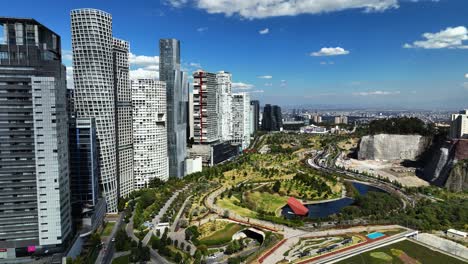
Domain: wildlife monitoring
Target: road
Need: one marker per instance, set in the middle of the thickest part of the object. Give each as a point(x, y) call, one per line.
point(108, 247)
point(317, 162)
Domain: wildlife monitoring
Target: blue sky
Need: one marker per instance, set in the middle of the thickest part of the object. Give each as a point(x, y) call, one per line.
point(349, 53)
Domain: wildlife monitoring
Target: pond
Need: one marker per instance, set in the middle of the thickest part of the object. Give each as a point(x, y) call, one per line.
point(325, 209)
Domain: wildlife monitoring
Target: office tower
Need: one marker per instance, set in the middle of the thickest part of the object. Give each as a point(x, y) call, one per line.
point(34, 181)
point(277, 123)
point(224, 98)
point(124, 128)
point(256, 114)
point(272, 119)
point(190, 116)
point(252, 119)
point(88, 208)
point(205, 107)
point(102, 92)
point(459, 125)
point(241, 119)
point(149, 131)
point(177, 97)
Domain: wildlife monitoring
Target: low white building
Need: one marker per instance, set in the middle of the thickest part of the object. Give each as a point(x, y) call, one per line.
point(194, 165)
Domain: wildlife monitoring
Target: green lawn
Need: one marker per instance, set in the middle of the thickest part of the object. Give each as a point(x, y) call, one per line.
point(108, 229)
point(267, 201)
point(122, 260)
point(393, 252)
point(222, 236)
point(228, 204)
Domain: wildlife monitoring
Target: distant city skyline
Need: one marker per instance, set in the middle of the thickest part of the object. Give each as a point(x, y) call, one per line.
point(369, 53)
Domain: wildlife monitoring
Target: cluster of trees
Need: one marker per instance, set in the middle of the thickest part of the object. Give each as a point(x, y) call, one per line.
point(138, 253)
point(379, 205)
point(313, 182)
point(163, 243)
point(403, 125)
point(234, 246)
point(442, 215)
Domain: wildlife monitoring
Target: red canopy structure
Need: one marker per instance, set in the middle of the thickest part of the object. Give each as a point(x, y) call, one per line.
point(297, 207)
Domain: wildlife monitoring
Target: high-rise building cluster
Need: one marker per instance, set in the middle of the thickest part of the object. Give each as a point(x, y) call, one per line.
point(68, 155)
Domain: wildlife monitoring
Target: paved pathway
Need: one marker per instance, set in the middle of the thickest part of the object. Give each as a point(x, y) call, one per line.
point(161, 213)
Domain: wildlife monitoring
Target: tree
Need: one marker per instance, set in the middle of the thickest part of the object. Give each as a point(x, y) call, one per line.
point(277, 186)
point(121, 240)
point(178, 257)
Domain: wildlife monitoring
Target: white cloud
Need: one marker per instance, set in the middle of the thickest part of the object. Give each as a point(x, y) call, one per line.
point(377, 93)
point(466, 75)
point(67, 55)
point(330, 52)
point(264, 31)
point(242, 86)
point(268, 84)
point(327, 63)
point(177, 3)
point(451, 37)
point(465, 85)
point(144, 67)
point(143, 60)
point(265, 76)
point(283, 83)
point(70, 83)
point(257, 91)
point(142, 73)
point(202, 29)
point(253, 9)
point(195, 65)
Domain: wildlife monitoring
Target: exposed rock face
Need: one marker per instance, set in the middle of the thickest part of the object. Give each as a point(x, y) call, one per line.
point(392, 147)
point(448, 166)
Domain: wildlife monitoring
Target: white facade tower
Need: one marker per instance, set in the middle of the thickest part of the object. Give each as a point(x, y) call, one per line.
point(241, 119)
point(123, 105)
point(149, 131)
point(99, 74)
point(224, 104)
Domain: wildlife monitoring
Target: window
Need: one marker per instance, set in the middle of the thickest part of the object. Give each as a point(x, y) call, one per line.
point(2, 36)
point(3, 54)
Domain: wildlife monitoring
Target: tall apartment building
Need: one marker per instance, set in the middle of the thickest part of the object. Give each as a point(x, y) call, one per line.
point(190, 116)
point(205, 107)
point(272, 119)
point(241, 119)
point(256, 115)
point(34, 174)
point(459, 125)
point(224, 103)
point(102, 92)
point(176, 99)
point(149, 131)
point(124, 121)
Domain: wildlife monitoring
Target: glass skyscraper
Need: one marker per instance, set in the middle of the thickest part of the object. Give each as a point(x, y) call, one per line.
point(177, 101)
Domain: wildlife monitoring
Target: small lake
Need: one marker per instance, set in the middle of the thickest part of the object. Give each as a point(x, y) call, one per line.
point(323, 210)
